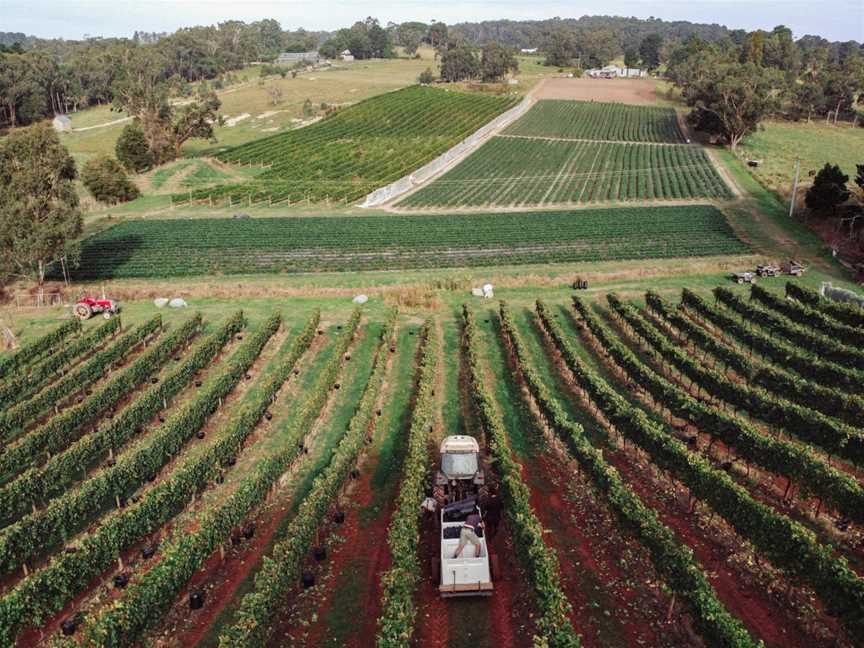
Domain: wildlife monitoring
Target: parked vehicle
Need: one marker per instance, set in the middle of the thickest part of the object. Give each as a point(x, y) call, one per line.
point(87, 307)
point(744, 277)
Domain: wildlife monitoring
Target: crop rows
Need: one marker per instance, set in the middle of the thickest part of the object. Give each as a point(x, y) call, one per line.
point(538, 559)
point(848, 314)
point(674, 562)
point(357, 149)
point(399, 583)
point(38, 349)
point(509, 171)
point(14, 420)
point(787, 544)
point(47, 590)
point(25, 383)
point(598, 121)
point(153, 248)
point(824, 398)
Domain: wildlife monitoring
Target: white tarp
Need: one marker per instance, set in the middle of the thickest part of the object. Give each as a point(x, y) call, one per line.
point(407, 183)
point(160, 302)
point(178, 302)
point(840, 294)
point(360, 299)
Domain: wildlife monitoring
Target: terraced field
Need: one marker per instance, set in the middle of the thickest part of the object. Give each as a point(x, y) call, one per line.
point(154, 248)
point(672, 474)
point(354, 151)
point(567, 152)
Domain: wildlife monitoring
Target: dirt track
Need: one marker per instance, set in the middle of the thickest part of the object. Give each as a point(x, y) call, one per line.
point(640, 92)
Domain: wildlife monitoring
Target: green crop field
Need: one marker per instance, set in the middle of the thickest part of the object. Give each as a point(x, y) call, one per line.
point(599, 121)
point(160, 248)
point(356, 150)
point(509, 171)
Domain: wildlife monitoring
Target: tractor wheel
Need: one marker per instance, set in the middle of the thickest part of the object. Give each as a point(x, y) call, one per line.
point(740, 280)
point(82, 311)
point(494, 567)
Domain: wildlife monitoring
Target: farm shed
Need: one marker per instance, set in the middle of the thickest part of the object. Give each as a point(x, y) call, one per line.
point(298, 57)
point(62, 124)
point(346, 55)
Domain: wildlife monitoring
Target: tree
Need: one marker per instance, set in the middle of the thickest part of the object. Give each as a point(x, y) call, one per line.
point(598, 46)
point(426, 76)
point(438, 36)
point(39, 215)
point(828, 189)
point(409, 36)
point(631, 58)
point(194, 120)
point(497, 61)
point(735, 96)
point(275, 94)
point(107, 182)
point(808, 98)
point(459, 63)
point(561, 48)
point(859, 178)
point(649, 50)
point(132, 150)
point(756, 48)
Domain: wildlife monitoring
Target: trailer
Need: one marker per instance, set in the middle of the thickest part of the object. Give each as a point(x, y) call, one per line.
point(469, 574)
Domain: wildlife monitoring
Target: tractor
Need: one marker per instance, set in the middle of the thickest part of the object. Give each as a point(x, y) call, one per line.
point(87, 307)
point(460, 475)
point(744, 277)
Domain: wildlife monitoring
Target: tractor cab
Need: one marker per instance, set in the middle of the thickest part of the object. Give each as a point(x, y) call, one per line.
point(460, 475)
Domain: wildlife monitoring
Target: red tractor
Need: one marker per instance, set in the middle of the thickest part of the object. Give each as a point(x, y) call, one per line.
point(87, 307)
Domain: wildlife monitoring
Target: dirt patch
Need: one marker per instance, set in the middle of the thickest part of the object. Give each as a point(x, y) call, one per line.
point(639, 92)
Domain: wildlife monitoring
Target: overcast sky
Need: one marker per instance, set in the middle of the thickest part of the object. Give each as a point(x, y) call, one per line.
point(834, 19)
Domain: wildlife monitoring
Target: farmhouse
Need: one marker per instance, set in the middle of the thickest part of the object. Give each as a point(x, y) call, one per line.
point(298, 57)
point(62, 124)
point(614, 71)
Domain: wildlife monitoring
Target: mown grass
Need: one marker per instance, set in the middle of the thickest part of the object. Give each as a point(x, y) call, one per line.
point(778, 143)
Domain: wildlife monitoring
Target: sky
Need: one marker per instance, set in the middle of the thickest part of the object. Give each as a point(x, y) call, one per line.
point(839, 20)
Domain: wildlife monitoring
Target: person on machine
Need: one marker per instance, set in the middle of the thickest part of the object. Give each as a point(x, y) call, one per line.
point(469, 533)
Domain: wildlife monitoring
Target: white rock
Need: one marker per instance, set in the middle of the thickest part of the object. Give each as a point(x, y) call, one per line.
point(361, 299)
point(178, 302)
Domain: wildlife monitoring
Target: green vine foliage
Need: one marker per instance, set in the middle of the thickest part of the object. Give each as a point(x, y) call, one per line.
point(38, 349)
point(812, 318)
point(673, 561)
point(399, 582)
point(27, 382)
point(47, 590)
point(121, 623)
point(12, 421)
point(801, 422)
point(848, 314)
point(793, 461)
point(60, 431)
point(280, 572)
point(805, 364)
point(539, 561)
point(43, 483)
point(801, 336)
point(828, 400)
point(786, 544)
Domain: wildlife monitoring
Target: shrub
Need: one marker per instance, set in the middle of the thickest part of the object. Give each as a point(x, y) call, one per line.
point(132, 150)
point(426, 76)
point(105, 178)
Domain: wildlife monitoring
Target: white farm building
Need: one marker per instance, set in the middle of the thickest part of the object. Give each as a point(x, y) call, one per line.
point(62, 124)
point(614, 72)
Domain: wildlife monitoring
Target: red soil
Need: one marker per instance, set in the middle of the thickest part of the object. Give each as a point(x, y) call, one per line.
point(764, 609)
